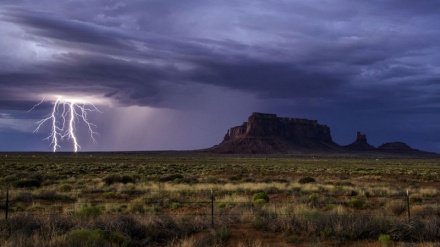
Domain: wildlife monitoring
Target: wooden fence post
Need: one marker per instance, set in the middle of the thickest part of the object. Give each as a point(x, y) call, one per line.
point(7, 204)
point(408, 206)
point(212, 208)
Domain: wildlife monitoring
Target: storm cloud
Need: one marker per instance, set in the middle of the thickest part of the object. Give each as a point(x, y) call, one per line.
point(197, 67)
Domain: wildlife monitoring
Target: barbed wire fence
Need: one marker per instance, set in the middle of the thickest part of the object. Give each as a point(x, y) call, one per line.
point(203, 203)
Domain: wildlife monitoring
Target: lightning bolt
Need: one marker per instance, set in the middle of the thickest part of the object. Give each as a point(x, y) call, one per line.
point(63, 118)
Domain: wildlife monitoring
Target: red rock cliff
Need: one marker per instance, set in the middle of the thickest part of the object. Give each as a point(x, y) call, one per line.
point(267, 133)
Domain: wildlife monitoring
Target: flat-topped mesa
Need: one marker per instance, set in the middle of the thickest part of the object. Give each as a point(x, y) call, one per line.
point(399, 146)
point(269, 134)
point(269, 125)
point(264, 133)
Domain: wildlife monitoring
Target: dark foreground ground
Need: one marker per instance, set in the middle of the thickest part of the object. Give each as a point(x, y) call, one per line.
point(200, 199)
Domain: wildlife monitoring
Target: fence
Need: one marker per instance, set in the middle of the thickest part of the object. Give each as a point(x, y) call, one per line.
point(205, 202)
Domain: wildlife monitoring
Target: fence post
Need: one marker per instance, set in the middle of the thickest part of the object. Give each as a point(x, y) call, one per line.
point(212, 208)
point(7, 204)
point(407, 203)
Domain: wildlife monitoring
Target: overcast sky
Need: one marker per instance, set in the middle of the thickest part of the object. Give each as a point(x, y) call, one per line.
point(177, 74)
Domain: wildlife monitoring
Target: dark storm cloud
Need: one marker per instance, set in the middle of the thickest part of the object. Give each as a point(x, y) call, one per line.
point(279, 79)
point(270, 80)
point(327, 67)
point(346, 57)
point(43, 24)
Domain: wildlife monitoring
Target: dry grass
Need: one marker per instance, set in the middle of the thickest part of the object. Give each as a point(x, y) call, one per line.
point(165, 200)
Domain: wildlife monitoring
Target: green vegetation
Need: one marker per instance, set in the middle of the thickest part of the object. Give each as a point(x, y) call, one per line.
point(89, 211)
point(164, 199)
point(97, 237)
point(385, 240)
point(261, 196)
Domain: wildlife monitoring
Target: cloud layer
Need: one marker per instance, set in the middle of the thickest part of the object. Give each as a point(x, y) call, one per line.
point(371, 66)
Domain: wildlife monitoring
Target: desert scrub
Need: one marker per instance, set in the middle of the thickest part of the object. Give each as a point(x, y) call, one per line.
point(429, 192)
point(9, 179)
point(89, 211)
point(423, 211)
point(385, 240)
point(175, 205)
point(265, 219)
point(259, 202)
point(306, 180)
point(52, 195)
point(28, 183)
point(65, 187)
point(343, 228)
point(313, 199)
point(98, 238)
point(260, 199)
point(137, 206)
point(356, 203)
point(415, 198)
point(222, 234)
point(116, 178)
point(396, 207)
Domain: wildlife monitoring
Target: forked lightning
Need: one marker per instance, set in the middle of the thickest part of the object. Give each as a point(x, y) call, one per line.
point(63, 118)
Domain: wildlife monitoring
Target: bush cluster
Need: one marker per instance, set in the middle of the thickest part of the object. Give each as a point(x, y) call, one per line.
point(28, 183)
point(260, 198)
point(116, 178)
point(306, 180)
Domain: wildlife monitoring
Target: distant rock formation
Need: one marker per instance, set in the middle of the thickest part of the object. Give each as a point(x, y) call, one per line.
point(267, 133)
point(396, 147)
point(360, 144)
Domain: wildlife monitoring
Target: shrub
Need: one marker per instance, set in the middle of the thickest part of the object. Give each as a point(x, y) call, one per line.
point(345, 183)
point(111, 179)
point(416, 230)
point(329, 207)
point(127, 179)
point(90, 211)
point(222, 234)
point(83, 237)
point(355, 203)
point(51, 195)
point(313, 198)
point(116, 178)
point(396, 208)
point(260, 198)
point(24, 197)
point(237, 177)
point(24, 224)
point(154, 209)
point(423, 210)
point(260, 195)
point(415, 198)
point(272, 190)
point(137, 206)
point(259, 202)
point(132, 226)
point(10, 179)
point(28, 183)
point(175, 205)
point(98, 237)
point(306, 180)
point(170, 178)
point(385, 240)
point(65, 188)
